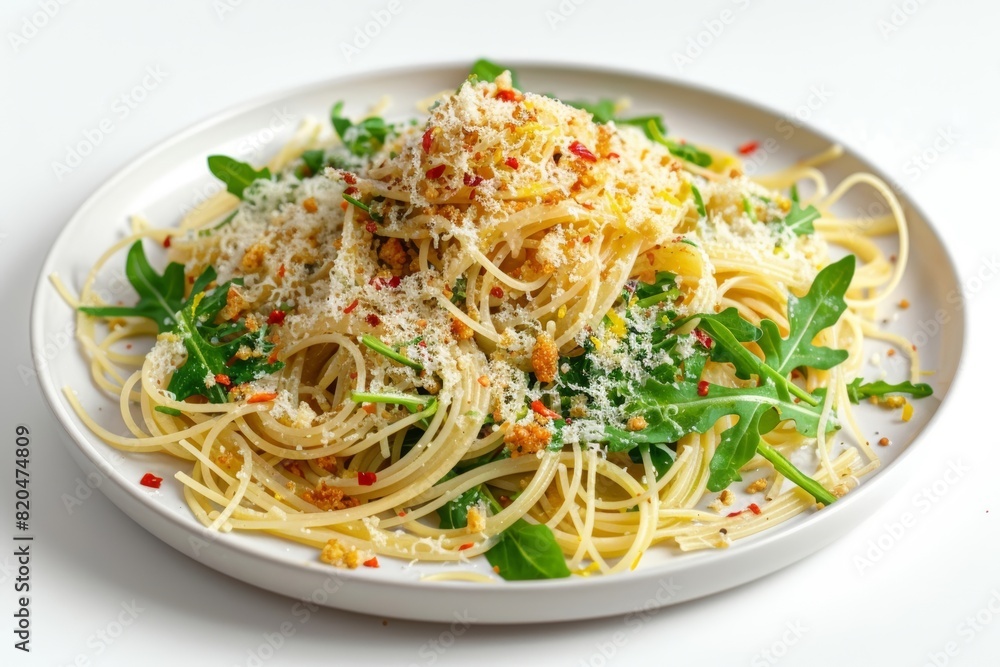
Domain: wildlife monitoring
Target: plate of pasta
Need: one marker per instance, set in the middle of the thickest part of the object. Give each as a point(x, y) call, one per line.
point(533, 343)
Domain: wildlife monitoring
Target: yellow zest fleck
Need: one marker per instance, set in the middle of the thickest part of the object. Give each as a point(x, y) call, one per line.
point(617, 324)
point(667, 196)
point(907, 411)
point(533, 190)
point(197, 300)
point(615, 208)
point(597, 344)
point(561, 313)
point(497, 156)
point(589, 570)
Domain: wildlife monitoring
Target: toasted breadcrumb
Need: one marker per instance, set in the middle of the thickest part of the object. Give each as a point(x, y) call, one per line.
point(476, 523)
point(545, 358)
point(527, 439)
point(757, 485)
point(461, 330)
point(336, 554)
point(329, 498)
point(727, 497)
point(637, 423)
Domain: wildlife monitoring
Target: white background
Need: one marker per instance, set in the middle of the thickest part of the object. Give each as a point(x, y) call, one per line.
point(902, 79)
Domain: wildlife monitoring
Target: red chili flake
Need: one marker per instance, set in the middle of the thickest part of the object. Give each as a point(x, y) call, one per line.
point(353, 375)
point(614, 156)
point(351, 191)
point(755, 508)
point(422, 343)
point(128, 346)
point(467, 545)
point(748, 147)
point(426, 141)
point(352, 306)
point(401, 513)
point(273, 358)
point(372, 319)
point(276, 317)
point(349, 178)
point(506, 95)
point(151, 480)
point(471, 181)
point(504, 501)
point(281, 269)
point(371, 562)
point(367, 478)
point(703, 338)
point(262, 397)
point(223, 379)
point(511, 162)
point(586, 239)
point(371, 227)
point(166, 241)
point(581, 151)
point(436, 172)
point(496, 292)
point(703, 388)
point(378, 282)
point(544, 411)
point(732, 514)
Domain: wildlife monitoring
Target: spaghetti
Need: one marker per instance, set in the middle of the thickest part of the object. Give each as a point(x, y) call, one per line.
point(431, 341)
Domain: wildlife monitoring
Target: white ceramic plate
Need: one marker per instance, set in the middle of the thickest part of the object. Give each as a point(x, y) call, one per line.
point(173, 177)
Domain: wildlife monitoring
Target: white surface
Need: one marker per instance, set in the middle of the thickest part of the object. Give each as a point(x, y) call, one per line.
point(891, 95)
point(162, 181)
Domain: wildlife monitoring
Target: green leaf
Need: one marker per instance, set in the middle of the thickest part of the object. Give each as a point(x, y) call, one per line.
point(485, 70)
point(688, 152)
point(363, 206)
point(235, 174)
point(856, 391)
point(211, 346)
point(315, 160)
point(455, 513)
point(800, 220)
point(819, 309)
point(699, 203)
point(375, 344)
point(458, 291)
point(661, 455)
point(160, 296)
point(363, 139)
point(168, 410)
point(663, 288)
point(528, 551)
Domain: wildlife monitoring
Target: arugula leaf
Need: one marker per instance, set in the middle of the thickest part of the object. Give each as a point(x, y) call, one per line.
point(315, 160)
point(819, 309)
point(160, 296)
point(363, 139)
point(235, 174)
point(211, 347)
point(688, 152)
point(661, 454)
point(485, 70)
point(528, 551)
point(699, 203)
point(663, 288)
point(800, 220)
point(856, 391)
point(377, 345)
point(458, 291)
point(455, 513)
point(603, 111)
point(207, 358)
